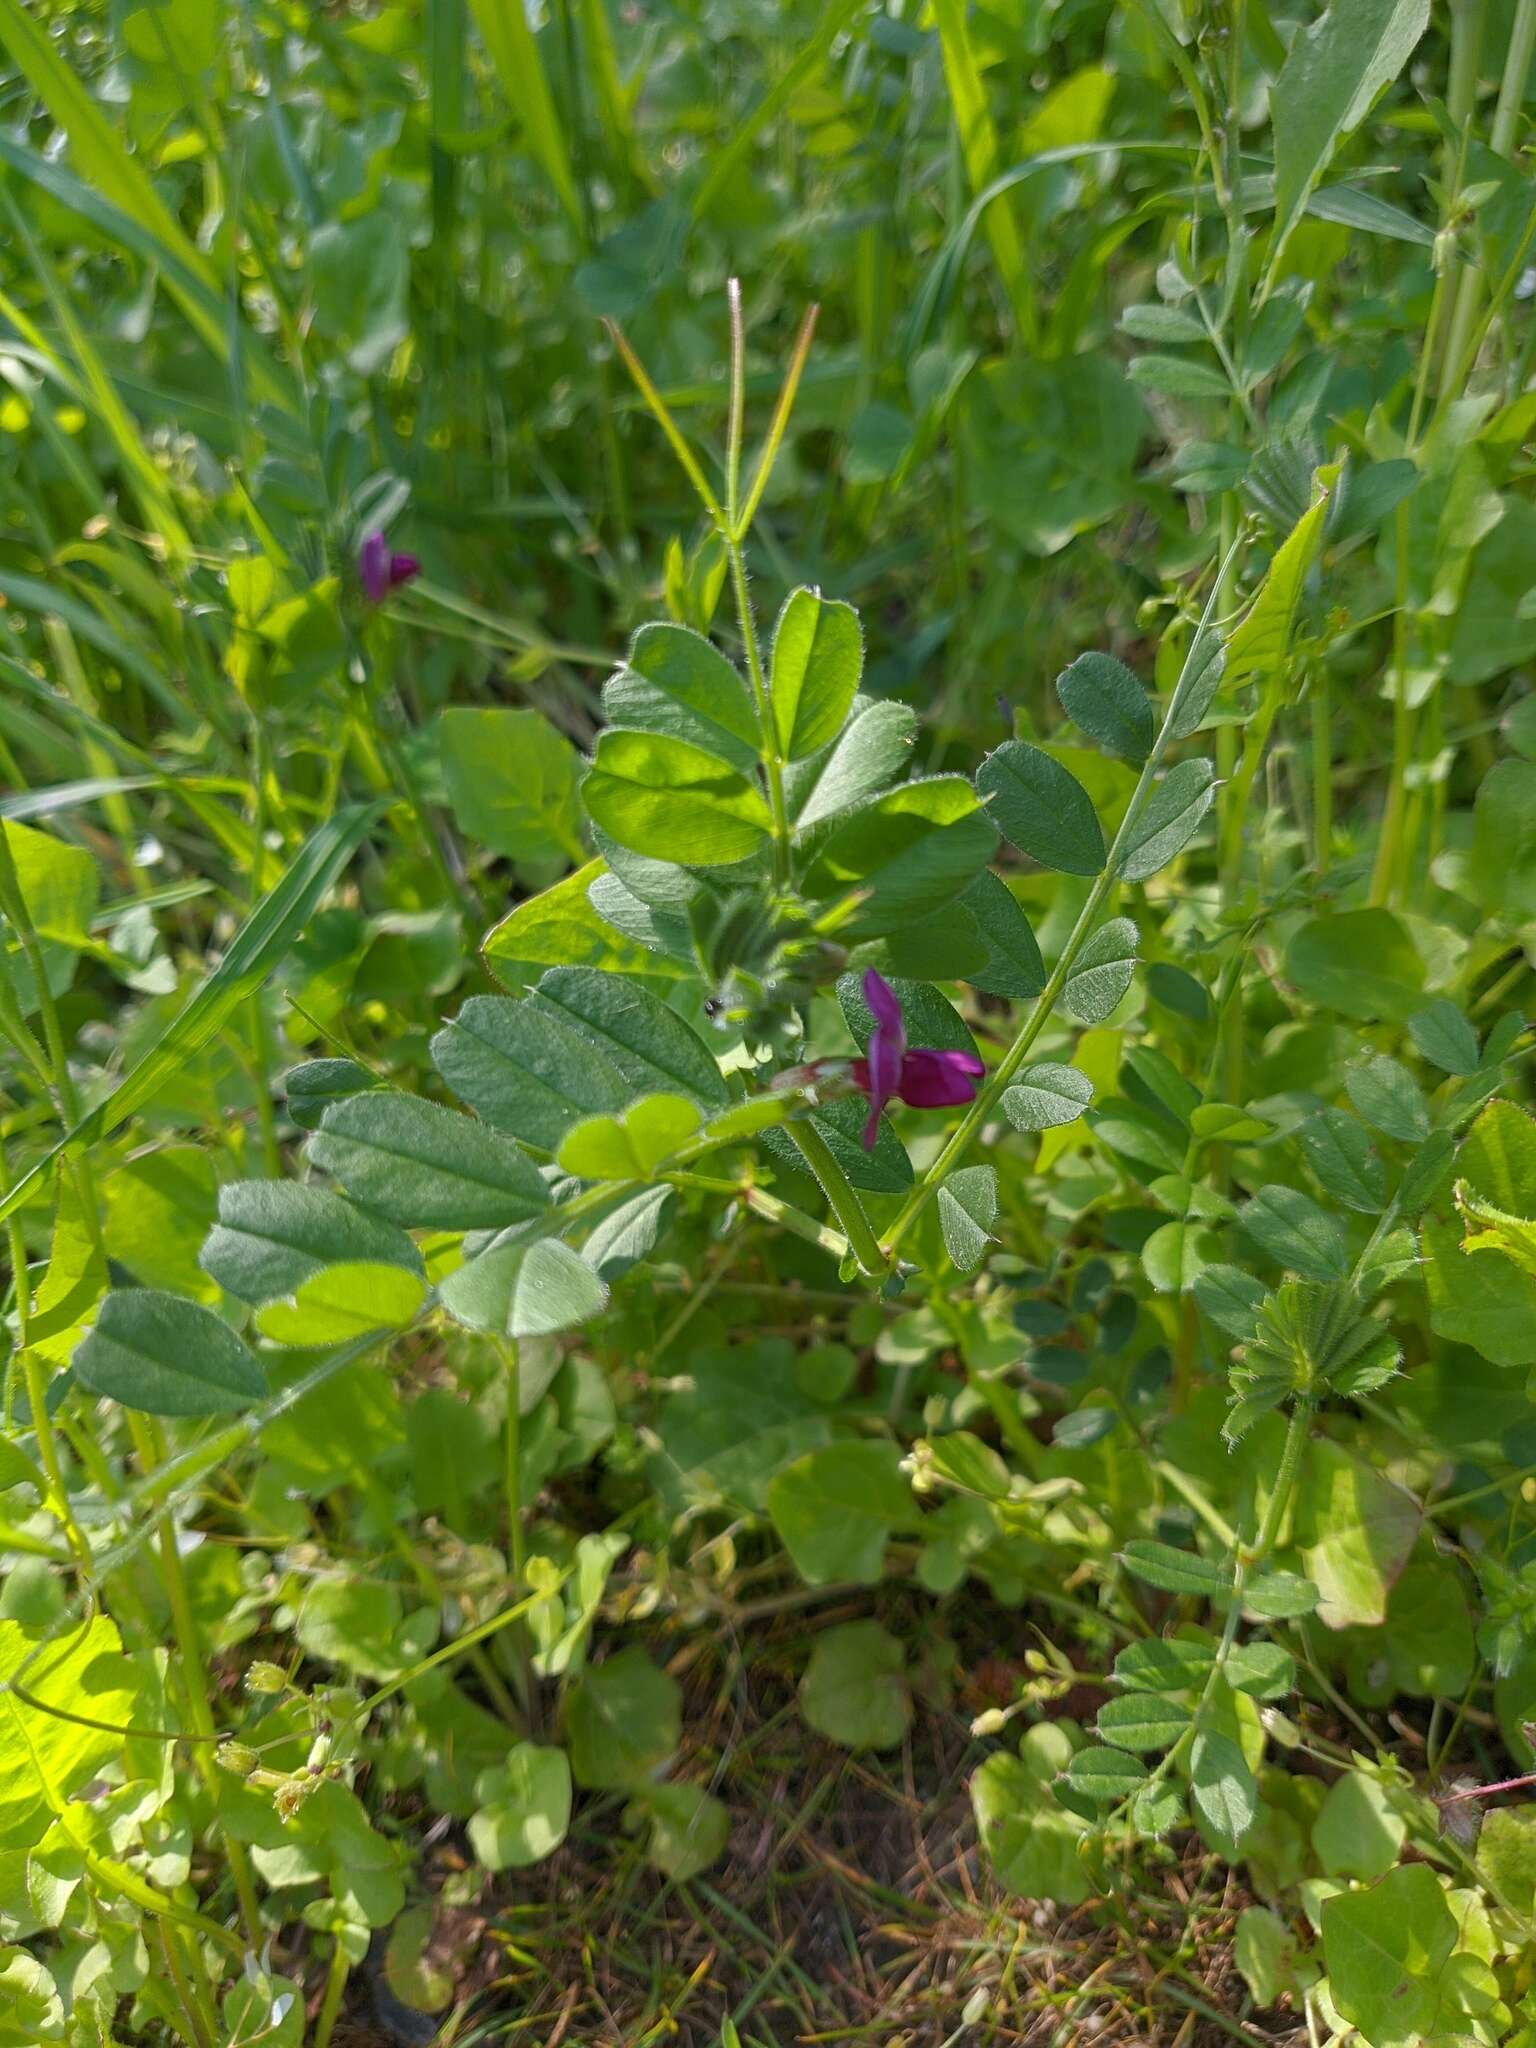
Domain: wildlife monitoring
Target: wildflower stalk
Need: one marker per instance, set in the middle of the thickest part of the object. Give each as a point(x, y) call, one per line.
point(150, 1449)
point(841, 1197)
point(1245, 1560)
point(335, 1987)
point(990, 1093)
point(732, 522)
point(513, 1481)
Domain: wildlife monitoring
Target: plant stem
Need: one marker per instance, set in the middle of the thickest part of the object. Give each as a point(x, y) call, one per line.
point(840, 1194)
point(516, 1549)
point(48, 1450)
point(988, 1095)
point(194, 1681)
point(737, 416)
point(775, 1210)
point(1285, 1482)
point(1322, 769)
point(1383, 874)
point(335, 1987)
point(1468, 22)
point(773, 763)
point(198, 2031)
point(1468, 26)
point(1244, 1558)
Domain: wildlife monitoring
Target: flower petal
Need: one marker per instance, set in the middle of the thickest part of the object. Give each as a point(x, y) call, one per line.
point(379, 571)
point(884, 1004)
point(373, 567)
point(872, 1125)
point(931, 1079)
point(887, 1044)
point(859, 1073)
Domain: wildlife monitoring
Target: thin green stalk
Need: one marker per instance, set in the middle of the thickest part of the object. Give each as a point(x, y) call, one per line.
point(990, 1093)
point(47, 1443)
point(517, 1556)
point(1245, 1557)
point(260, 1035)
point(841, 1197)
point(773, 1210)
point(663, 417)
point(1229, 845)
point(773, 763)
point(736, 418)
point(202, 2028)
point(335, 1988)
point(1321, 706)
point(1388, 856)
point(779, 423)
point(1285, 1481)
point(194, 1677)
point(1468, 23)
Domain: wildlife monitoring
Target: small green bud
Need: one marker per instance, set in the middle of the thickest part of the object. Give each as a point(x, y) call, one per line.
point(237, 1757)
point(266, 1678)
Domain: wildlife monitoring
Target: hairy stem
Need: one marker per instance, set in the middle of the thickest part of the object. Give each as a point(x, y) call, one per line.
point(840, 1194)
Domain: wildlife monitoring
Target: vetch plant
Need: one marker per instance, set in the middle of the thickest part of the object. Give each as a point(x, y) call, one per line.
point(768, 878)
point(945, 1200)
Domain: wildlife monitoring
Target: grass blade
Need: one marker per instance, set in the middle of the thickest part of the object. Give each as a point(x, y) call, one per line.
point(261, 940)
point(979, 148)
point(187, 275)
point(783, 89)
point(515, 53)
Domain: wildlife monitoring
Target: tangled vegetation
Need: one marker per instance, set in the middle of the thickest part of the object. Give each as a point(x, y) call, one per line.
point(767, 950)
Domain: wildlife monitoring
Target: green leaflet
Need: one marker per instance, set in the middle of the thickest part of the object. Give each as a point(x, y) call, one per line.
point(1336, 68)
point(425, 1166)
point(903, 854)
point(818, 659)
point(272, 1236)
point(1042, 809)
point(162, 1355)
point(677, 684)
point(669, 799)
point(526, 1069)
point(1103, 699)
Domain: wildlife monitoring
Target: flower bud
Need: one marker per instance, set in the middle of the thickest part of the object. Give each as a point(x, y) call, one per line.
point(237, 1757)
point(266, 1678)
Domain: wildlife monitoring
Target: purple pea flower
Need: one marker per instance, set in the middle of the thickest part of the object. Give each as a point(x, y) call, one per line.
point(380, 570)
point(923, 1078)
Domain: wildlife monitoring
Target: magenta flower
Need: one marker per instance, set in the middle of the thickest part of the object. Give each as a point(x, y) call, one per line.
point(923, 1078)
point(381, 571)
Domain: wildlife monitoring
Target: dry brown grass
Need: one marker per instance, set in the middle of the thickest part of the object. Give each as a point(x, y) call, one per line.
point(852, 1906)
